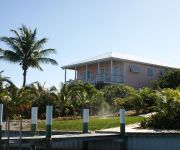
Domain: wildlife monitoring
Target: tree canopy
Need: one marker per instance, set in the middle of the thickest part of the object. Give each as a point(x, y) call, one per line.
point(26, 50)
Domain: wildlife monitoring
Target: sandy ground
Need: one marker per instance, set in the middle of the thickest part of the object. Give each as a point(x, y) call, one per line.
point(15, 125)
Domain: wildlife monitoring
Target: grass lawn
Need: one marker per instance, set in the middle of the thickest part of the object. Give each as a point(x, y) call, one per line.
point(95, 123)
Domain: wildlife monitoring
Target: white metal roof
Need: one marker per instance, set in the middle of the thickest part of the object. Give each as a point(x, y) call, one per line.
point(120, 56)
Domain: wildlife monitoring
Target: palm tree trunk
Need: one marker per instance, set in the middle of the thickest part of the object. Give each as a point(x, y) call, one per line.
point(24, 77)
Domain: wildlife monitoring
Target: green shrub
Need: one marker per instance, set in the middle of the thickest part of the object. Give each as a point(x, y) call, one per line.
point(149, 99)
point(168, 111)
point(112, 92)
point(171, 79)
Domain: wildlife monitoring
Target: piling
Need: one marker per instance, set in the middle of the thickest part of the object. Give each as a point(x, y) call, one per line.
point(85, 120)
point(49, 110)
point(122, 122)
point(1, 118)
point(34, 112)
point(123, 128)
point(20, 133)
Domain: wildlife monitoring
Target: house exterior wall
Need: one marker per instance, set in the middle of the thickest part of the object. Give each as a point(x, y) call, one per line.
point(141, 78)
point(136, 79)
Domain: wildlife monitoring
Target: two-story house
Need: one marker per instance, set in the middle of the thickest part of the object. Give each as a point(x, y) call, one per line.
point(113, 68)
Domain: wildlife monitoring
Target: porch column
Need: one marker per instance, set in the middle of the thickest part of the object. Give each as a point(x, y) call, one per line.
point(111, 70)
point(75, 76)
point(86, 72)
point(64, 76)
point(124, 72)
point(98, 76)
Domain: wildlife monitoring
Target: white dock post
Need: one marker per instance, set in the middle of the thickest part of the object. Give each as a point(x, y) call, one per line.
point(122, 122)
point(49, 111)
point(34, 113)
point(1, 118)
point(85, 120)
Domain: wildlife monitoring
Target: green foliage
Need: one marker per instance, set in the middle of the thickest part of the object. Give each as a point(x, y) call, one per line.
point(168, 111)
point(149, 98)
point(97, 101)
point(43, 97)
point(171, 79)
point(132, 102)
point(112, 92)
point(4, 81)
point(16, 101)
point(135, 102)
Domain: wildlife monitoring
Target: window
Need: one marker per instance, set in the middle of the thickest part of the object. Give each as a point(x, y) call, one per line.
point(102, 74)
point(88, 75)
point(116, 70)
point(161, 72)
point(134, 68)
point(84, 76)
point(149, 72)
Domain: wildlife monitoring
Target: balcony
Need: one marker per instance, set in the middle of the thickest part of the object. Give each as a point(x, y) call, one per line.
point(104, 78)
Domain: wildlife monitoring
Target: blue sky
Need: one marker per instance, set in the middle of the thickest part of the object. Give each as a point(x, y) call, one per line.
point(79, 29)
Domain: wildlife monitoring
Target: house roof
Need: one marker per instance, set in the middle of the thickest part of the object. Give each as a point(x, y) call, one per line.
point(118, 56)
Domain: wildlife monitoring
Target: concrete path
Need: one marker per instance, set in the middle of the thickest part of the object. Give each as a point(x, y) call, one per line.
point(135, 128)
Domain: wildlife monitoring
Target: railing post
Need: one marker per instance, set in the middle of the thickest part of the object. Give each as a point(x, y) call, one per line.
point(1, 119)
point(75, 76)
point(49, 110)
point(64, 76)
point(85, 120)
point(98, 72)
point(122, 122)
point(111, 67)
point(86, 73)
point(34, 112)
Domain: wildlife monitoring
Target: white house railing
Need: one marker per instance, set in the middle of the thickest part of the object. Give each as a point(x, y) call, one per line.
point(105, 78)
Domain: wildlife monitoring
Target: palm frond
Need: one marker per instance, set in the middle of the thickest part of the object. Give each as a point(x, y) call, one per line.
point(34, 34)
point(47, 61)
point(35, 64)
point(1, 51)
point(17, 34)
point(53, 89)
point(13, 43)
point(46, 52)
point(11, 56)
point(39, 44)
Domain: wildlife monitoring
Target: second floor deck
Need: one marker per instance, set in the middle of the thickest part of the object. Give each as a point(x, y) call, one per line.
point(104, 78)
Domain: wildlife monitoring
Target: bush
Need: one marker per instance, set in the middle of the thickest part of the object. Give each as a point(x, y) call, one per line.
point(171, 79)
point(112, 92)
point(168, 111)
point(149, 99)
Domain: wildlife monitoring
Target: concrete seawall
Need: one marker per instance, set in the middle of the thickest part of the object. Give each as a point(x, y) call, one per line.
point(101, 141)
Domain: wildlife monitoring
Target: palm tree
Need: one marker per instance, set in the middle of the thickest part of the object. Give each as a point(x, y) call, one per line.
point(26, 50)
point(16, 101)
point(44, 96)
point(4, 79)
